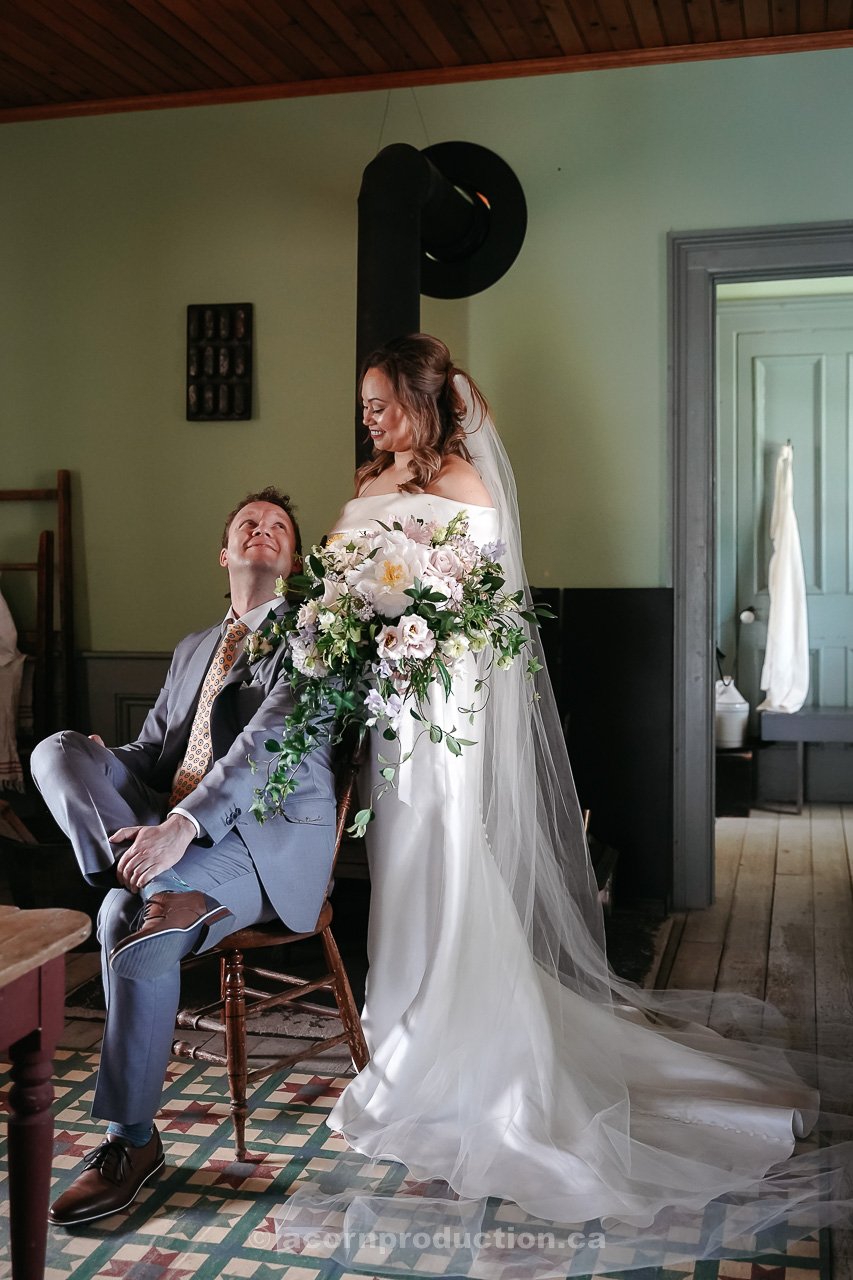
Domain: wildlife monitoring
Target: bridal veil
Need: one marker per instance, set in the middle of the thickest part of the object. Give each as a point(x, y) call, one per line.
point(657, 1125)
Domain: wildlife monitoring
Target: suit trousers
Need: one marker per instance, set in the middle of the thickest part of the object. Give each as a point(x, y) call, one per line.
point(91, 793)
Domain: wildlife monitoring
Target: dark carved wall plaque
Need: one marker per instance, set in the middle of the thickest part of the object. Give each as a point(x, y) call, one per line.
point(219, 362)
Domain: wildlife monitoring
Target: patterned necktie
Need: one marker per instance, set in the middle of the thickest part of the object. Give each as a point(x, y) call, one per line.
point(199, 754)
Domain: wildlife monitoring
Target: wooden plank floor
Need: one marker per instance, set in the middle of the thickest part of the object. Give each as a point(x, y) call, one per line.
point(781, 928)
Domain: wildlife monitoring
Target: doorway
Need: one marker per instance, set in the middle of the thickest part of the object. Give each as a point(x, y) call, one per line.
point(784, 373)
point(698, 263)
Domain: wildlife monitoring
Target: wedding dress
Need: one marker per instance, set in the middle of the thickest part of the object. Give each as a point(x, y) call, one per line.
point(510, 1071)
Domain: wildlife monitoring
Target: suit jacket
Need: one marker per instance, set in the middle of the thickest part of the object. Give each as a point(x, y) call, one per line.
point(293, 852)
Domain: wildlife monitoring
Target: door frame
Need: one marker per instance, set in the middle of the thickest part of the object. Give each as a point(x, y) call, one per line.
point(697, 262)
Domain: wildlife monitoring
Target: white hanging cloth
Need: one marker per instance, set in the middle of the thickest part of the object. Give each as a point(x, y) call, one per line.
point(785, 675)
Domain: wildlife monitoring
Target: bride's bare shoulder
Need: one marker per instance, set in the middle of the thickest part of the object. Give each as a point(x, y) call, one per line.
point(460, 481)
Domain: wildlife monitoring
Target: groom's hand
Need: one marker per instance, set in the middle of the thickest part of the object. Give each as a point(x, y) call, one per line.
point(154, 849)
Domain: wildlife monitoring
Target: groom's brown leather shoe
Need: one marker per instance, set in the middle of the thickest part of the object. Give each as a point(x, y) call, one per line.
point(171, 924)
point(113, 1175)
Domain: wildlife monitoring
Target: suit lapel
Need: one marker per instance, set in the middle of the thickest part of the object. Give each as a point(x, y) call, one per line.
point(198, 664)
point(242, 669)
point(186, 698)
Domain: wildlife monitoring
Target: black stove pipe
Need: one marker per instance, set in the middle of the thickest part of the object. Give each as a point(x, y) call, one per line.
point(406, 207)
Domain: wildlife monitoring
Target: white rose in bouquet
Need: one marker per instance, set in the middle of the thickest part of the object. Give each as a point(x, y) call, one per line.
point(445, 563)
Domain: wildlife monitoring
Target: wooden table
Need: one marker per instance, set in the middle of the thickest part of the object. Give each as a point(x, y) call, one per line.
point(32, 1011)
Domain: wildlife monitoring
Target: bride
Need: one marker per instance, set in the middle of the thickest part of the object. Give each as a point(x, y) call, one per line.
point(509, 1067)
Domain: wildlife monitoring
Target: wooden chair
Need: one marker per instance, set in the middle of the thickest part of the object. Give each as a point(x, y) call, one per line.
point(240, 999)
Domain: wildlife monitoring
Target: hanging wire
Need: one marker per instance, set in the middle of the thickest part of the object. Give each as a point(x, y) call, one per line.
point(384, 121)
point(421, 114)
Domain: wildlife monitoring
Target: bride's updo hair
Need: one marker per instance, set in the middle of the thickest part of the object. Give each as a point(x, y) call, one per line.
point(422, 374)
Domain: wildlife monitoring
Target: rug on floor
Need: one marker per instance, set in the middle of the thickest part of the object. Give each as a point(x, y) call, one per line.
point(208, 1216)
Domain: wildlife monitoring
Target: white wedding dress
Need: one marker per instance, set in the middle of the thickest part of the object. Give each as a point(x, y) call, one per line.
point(505, 1061)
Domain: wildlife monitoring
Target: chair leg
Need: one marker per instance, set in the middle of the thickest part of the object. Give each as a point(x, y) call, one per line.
point(346, 1003)
point(234, 998)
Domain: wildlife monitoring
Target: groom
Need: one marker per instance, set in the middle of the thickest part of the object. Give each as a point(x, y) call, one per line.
point(166, 819)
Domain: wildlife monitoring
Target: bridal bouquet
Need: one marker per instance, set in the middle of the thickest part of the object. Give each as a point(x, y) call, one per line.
point(385, 614)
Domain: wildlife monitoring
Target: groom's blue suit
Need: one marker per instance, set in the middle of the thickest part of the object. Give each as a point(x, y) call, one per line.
point(258, 871)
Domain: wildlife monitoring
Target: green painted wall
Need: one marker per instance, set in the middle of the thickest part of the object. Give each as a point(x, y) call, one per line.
point(110, 226)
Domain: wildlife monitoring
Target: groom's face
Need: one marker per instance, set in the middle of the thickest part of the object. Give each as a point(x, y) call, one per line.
point(261, 536)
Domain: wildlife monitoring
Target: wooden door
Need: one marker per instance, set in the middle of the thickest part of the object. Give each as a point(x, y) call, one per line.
point(784, 373)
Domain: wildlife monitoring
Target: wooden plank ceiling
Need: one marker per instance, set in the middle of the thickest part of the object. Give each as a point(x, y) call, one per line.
point(69, 57)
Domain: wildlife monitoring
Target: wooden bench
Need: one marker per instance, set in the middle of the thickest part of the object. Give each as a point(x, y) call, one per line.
point(809, 725)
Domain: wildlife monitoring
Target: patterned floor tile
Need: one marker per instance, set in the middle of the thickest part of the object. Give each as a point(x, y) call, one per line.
point(210, 1217)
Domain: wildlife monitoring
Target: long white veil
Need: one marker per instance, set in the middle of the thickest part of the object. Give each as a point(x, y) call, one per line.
point(672, 1186)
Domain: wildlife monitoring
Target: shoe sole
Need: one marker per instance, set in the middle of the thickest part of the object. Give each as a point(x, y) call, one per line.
point(155, 954)
point(108, 1213)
